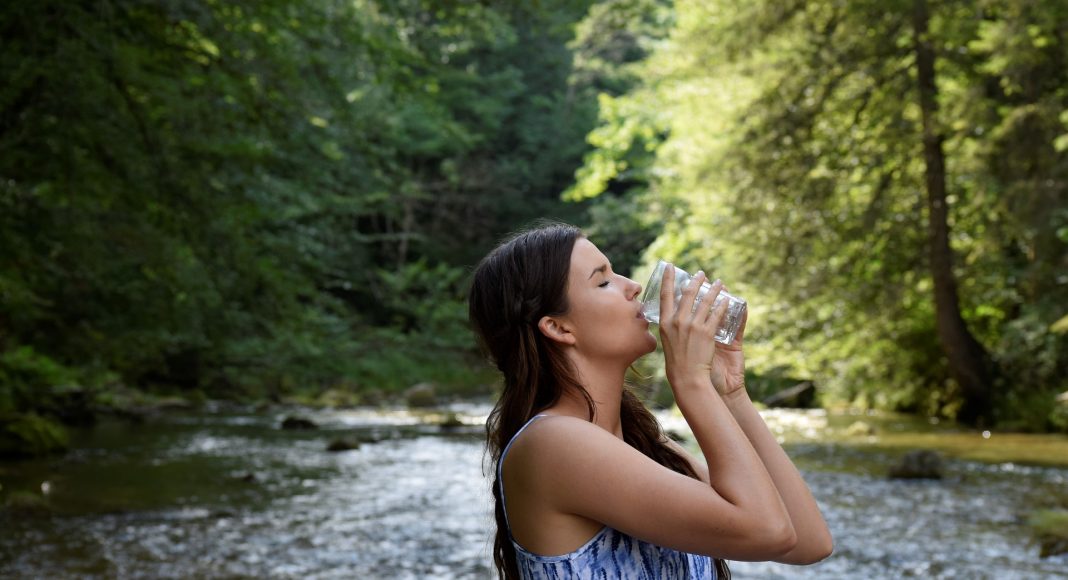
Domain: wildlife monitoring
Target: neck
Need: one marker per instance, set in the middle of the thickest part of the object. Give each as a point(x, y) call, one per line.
point(604, 383)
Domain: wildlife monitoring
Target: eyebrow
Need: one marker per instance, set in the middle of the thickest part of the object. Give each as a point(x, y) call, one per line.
point(602, 269)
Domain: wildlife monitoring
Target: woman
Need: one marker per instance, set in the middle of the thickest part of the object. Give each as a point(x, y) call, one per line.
point(587, 484)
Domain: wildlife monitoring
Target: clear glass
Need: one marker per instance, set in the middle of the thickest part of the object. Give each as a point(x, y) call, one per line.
point(732, 320)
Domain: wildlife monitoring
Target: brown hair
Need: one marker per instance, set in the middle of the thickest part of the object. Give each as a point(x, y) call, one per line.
point(519, 282)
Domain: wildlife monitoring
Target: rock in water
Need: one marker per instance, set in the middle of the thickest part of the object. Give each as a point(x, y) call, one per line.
point(342, 444)
point(421, 395)
point(298, 423)
point(918, 465)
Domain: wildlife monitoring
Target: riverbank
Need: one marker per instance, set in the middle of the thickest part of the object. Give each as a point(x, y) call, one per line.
point(893, 433)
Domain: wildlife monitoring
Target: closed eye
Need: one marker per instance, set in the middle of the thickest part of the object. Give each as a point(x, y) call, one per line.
point(603, 284)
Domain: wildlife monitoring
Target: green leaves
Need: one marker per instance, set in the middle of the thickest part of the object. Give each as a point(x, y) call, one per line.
point(247, 198)
point(792, 136)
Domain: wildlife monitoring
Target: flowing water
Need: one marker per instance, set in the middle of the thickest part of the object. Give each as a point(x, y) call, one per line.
point(225, 493)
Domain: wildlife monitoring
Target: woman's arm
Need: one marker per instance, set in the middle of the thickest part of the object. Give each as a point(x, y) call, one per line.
point(728, 376)
point(813, 538)
point(687, 332)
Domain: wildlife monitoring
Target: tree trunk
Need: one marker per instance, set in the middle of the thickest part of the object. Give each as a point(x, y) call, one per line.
point(969, 363)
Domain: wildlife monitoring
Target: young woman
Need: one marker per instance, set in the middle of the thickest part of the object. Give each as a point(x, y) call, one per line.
point(587, 484)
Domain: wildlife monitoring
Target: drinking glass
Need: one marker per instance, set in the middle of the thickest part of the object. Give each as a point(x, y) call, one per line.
point(732, 320)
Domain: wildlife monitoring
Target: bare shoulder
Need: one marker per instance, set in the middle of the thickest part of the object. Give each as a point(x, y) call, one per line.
point(557, 437)
point(556, 451)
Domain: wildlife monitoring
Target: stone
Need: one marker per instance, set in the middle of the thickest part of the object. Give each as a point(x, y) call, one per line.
point(922, 464)
point(342, 444)
point(450, 422)
point(246, 477)
point(1053, 547)
point(421, 395)
point(1050, 528)
point(293, 423)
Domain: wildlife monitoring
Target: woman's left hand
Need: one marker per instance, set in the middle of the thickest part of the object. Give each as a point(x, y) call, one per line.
point(728, 363)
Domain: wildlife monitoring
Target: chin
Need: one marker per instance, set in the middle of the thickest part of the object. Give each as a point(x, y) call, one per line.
point(650, 343)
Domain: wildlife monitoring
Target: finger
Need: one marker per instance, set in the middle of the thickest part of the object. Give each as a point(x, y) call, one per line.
point(667, 293)
point(741, 328)
point(716, 311)
point(689, 295)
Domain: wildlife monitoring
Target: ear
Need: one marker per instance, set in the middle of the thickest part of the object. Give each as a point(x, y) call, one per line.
point(556, 329)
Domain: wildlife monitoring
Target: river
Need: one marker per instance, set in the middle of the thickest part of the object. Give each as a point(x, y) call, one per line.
point(226, 493)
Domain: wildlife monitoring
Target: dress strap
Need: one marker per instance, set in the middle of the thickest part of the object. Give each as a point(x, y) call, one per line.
point(500, 467)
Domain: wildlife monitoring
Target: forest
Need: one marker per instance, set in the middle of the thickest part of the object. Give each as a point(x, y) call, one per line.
point(283, 200)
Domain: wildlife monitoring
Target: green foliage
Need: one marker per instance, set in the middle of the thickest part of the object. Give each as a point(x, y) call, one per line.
point(248, 200)
point(30, 434)
point(263, 199)
point(26, 375)
point(792, 142)
point(427, 301)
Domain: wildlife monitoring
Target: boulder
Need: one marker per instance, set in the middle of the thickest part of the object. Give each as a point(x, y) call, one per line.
point(245, 477)
point(920, 464)
point(342, 444)
point(1053, 547)
point(450, 422)
point(421, 395)
point(1050, 528)
point(293, 423)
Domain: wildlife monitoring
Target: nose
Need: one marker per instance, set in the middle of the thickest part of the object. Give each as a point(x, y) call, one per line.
point(636, 289)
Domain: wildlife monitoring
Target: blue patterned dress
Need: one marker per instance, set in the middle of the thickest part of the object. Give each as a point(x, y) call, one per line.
point(610, 554)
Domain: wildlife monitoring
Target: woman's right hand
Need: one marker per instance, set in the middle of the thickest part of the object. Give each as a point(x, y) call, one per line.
point(688, 336)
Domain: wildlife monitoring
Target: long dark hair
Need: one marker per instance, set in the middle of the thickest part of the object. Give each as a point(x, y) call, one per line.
point(522, 280)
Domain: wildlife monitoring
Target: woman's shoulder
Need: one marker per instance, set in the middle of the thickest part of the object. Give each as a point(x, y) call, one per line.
point(556, 438)
point(551, 426)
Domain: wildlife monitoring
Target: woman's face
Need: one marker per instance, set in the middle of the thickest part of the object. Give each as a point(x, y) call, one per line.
point(604, 313)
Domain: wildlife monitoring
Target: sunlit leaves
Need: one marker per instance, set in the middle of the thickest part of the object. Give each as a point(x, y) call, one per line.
point(794, 141)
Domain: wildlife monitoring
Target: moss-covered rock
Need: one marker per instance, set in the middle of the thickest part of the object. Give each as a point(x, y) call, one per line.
point(295, 423)
point(30, 434)
point(1050, 528)
point(338, 398)
point(421, 395)
point(342, 444)
point(921, 464)
point(450, 422)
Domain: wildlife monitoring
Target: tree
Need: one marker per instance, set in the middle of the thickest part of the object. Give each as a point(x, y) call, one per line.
point(834, 157)
point(252, 199)
point(968, 360)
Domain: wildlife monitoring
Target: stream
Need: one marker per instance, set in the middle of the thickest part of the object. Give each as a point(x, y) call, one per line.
point(225, 493)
